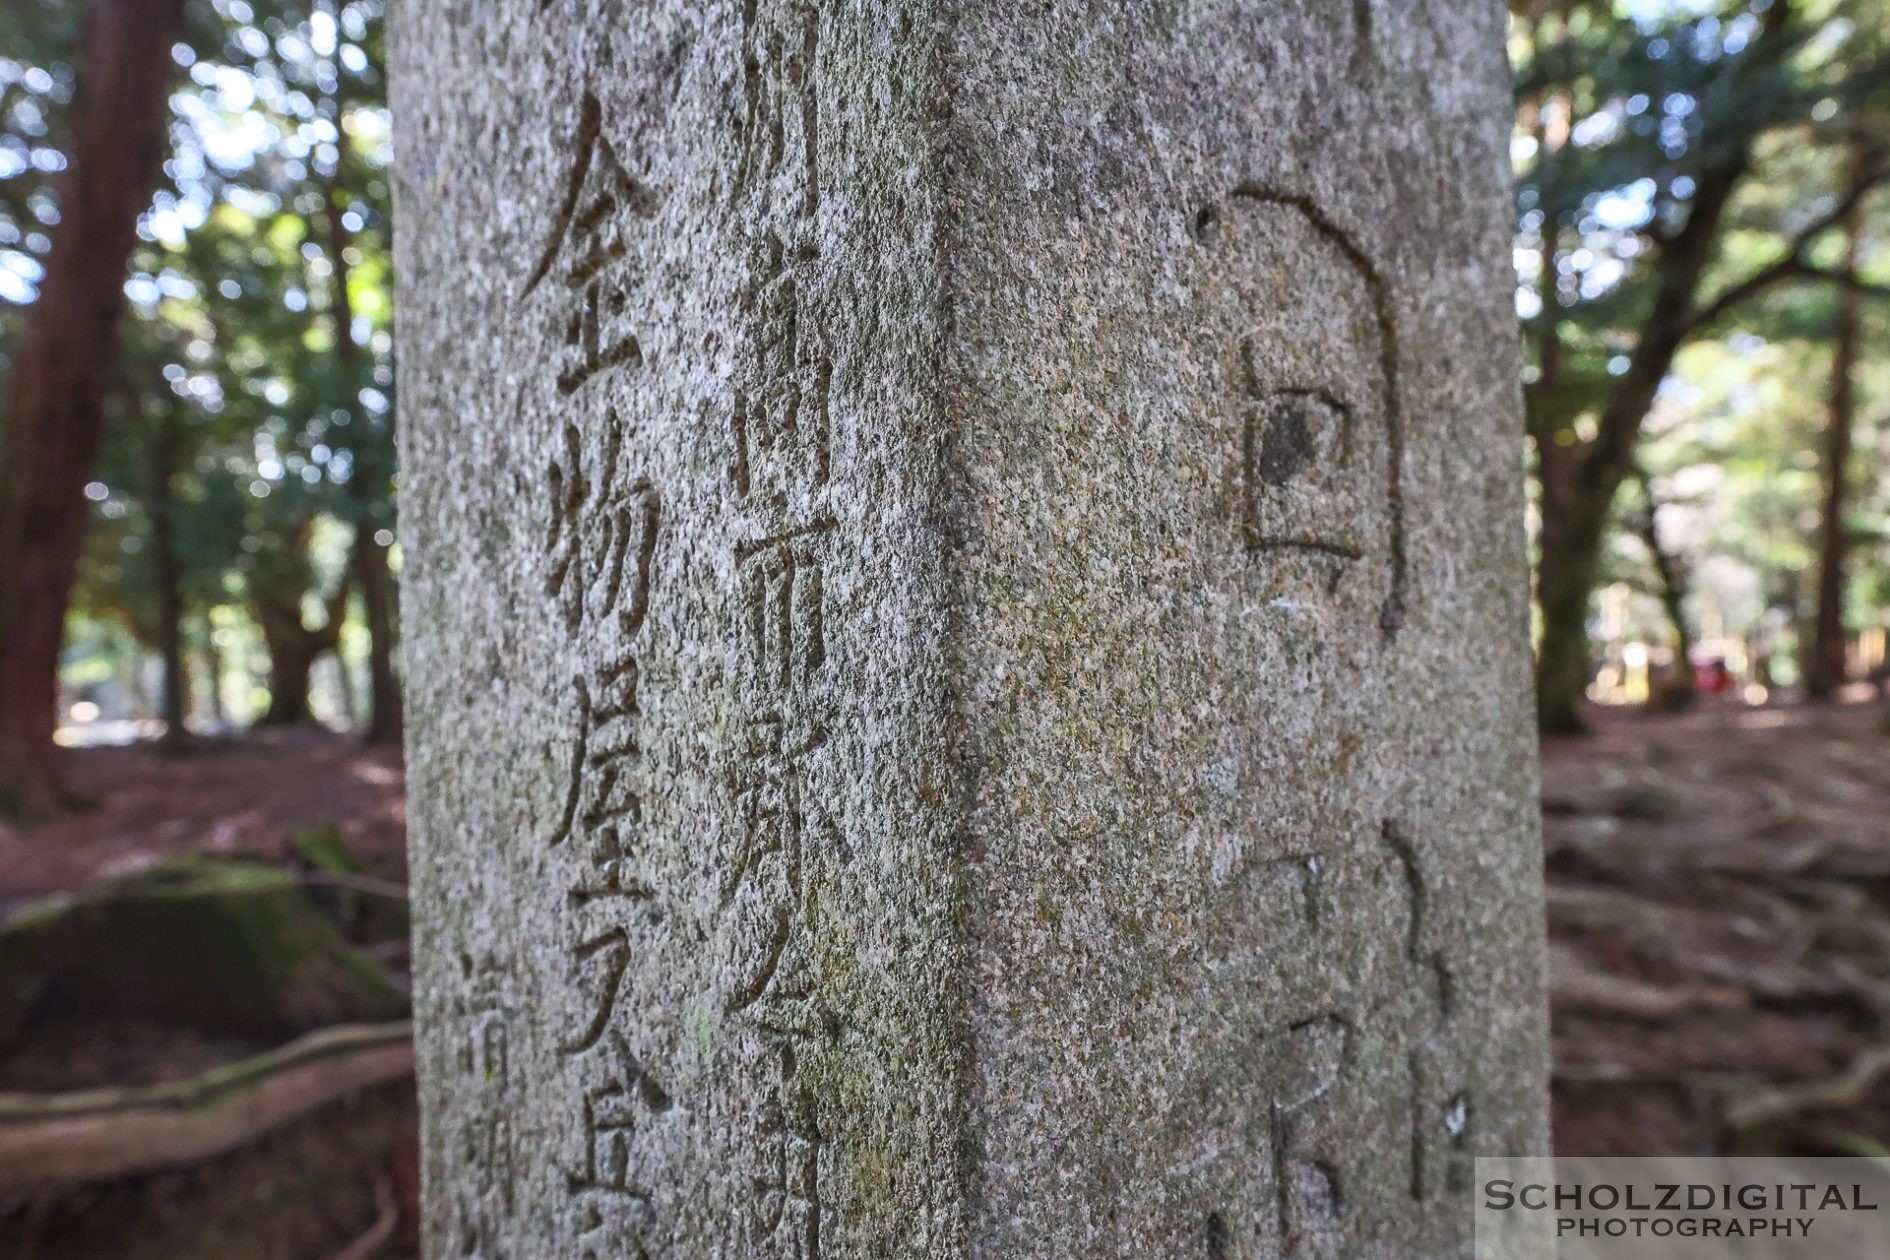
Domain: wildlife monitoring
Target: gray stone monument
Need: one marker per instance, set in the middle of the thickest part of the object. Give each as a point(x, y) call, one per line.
point(966, 630)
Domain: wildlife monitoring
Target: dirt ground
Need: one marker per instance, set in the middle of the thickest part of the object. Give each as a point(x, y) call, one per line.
point(1719, 902)
point(239, 795)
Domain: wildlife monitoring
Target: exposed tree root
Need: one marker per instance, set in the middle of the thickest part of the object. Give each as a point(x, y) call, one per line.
point(1577, 986)
point(49, 1142)
point(1765, 1106)
point(387, 1217)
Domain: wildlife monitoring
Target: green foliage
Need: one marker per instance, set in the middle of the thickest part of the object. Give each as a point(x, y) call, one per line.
point(252, 406)
point(1626, 110)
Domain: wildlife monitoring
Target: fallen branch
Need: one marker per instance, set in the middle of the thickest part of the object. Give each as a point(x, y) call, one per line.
point(57, 1140)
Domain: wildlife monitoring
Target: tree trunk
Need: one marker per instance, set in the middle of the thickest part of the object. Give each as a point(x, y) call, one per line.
point(1574, 523)
point(344, 690)
point(294, 648)
point(56, 410)
point(291, 661)
point(368, 555)
point(1673, 598)
point(1824, 659)
point(176, 685)
point(1565, 576)
point(213, 674)
point(371, 571)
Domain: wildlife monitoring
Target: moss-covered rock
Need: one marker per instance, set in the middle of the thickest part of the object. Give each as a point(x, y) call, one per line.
point(224, 946)
point(324, 848)
point(367, 912)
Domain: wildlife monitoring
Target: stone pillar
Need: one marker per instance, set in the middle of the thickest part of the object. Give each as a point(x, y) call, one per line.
point(965, 618)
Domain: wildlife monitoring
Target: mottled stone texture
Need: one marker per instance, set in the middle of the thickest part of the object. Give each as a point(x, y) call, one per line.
point(965, 626)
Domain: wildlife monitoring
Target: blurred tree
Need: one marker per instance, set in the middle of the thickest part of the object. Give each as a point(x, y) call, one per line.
point(1641, 130)
point(151, 603)
point(168, 519)
point(283, 578)
point(1825, 656)
point(56, 394)
point(249, 421)
point(370, 482)
point(325, 354)
point(1670, 589)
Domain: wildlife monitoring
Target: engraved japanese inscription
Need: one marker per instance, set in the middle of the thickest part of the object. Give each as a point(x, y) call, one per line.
point(485, 1143)
point(602, 527)
point(587, 255)
point(1322, 423)
point(939, 552)
point(1324, 916)
point(781, 838)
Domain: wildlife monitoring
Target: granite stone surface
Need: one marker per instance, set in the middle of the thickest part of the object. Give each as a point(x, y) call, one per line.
point(965, 627)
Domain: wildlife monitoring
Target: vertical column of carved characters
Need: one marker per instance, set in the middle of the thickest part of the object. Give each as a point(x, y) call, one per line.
point(604, 1200)
point(611, 1203)
point(600, 546)
point(781, 408)
point(588, 255)
point(1441, 1107)
point(787, 1209)
point(613, 909)
point(781, 650)
point(781, 834)
point(779, 422)
point(485, 1142)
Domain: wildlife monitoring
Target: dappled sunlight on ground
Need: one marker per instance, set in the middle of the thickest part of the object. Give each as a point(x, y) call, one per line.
point(239, 795)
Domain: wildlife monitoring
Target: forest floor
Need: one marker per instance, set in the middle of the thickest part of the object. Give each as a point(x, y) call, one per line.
point(1719, 908)
point(1719, 902)
point(307, 1190)
point(243, 794)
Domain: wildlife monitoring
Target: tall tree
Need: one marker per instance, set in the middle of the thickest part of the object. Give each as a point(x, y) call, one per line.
point(368, 481)
point(166, 443)
point(1824, 659)
point(1670, 587)
point(1645, 134)
point(55, 406)
point(167, 523)
point(279, 585)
